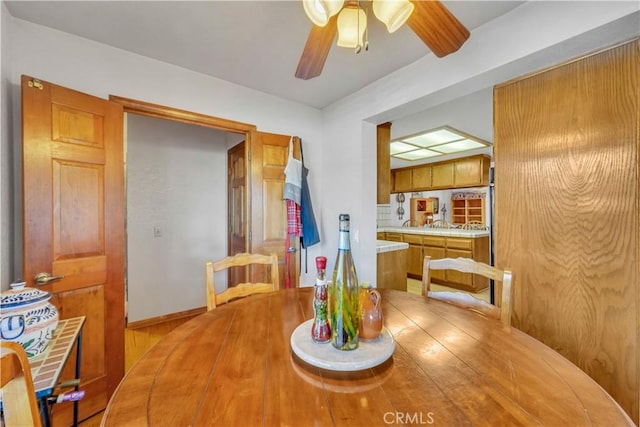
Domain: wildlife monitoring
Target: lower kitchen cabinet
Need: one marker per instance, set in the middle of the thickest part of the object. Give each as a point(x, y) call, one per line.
point(434, 253)
point(414, 261)
point(414, 254)
point(438, 247)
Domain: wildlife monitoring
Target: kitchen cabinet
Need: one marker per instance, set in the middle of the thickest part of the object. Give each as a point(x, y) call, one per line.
point(438, 247)
point(394, 237)
point(442, 175)
point(471, 172)
point(402, 182)
point(421, 178)
point(459, 173)
point(414, 254)
point(464, 210)
point(422, 210)
point(434, 246)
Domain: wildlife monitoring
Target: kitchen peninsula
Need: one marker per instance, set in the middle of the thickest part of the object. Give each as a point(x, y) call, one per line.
point(441, 243)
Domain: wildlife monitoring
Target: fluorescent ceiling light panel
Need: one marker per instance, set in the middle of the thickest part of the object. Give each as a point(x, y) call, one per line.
point(400, 147)
point(440, 141)
point(454, 147)
point(417, 154)
point(433, 138)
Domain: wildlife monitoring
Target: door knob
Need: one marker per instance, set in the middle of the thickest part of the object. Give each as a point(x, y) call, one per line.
point(44, 278)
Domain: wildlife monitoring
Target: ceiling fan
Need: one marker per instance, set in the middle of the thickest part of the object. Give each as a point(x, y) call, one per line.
point(429, 19)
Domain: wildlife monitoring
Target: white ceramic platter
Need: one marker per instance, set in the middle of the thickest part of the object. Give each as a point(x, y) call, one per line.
point(368, 354)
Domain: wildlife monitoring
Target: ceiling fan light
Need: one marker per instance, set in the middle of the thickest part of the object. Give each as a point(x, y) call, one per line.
point(350, 31)
point(319, 11)
point(393, 13)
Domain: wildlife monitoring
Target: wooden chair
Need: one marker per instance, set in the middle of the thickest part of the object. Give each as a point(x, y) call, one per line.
point(474, 225)
point(19, 403)
point(410, 223)
point(440, 223)
point(241, 289)
point(462, 299)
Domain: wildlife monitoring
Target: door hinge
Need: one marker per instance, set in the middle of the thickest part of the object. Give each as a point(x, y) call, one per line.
point(35, 83)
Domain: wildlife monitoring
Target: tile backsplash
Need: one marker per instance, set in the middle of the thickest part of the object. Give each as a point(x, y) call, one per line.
point(383, 216)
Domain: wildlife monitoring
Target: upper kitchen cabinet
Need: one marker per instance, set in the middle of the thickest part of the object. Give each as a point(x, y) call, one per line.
point(402, 181)
point(471, 172)
point(459, 173)
point(442, 175)
point(421, 177)
point(416, 178)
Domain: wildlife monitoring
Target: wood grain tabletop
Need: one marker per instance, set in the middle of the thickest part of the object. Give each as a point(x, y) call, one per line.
point(233, 366)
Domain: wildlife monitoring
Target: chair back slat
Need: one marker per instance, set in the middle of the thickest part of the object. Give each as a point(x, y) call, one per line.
point(241, 289)
point(465, 300)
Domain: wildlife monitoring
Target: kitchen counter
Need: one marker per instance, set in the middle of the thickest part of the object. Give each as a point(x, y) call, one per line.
point(389, 246)
point(450, 232)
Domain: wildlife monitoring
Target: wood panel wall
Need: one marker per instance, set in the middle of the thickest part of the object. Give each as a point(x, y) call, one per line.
point(383, 149)
point(566, 211)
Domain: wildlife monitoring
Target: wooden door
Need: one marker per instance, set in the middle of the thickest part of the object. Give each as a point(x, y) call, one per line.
point(237, 207)
point(73, 225)
point(268, 154)
point(567, 144)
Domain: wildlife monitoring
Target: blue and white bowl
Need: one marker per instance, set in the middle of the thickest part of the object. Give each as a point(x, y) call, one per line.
point(27, 318)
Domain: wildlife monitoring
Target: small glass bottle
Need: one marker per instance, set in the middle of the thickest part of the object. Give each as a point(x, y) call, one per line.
point(343, 295)
point(320, 330)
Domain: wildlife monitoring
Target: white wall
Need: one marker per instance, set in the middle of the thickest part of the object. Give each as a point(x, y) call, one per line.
point(7, 274)
point(177, 184)
point(101, 70)
point(532, 36)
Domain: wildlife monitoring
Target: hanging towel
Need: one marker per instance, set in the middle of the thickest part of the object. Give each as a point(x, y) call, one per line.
point(292, 194)
point(294, 224)
point(310, 235)
point(293, 177)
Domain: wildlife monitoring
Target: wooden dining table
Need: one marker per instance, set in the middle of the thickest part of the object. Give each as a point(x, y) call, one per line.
point(233, 366)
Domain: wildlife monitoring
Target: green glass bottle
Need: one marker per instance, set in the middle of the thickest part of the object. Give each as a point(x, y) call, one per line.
point(343, 296)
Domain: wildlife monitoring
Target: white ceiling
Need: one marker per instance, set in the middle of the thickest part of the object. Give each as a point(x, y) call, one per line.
point(256, 44)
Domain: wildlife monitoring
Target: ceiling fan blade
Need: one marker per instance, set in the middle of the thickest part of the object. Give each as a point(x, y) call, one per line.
point(437, 27)
point(316, 50)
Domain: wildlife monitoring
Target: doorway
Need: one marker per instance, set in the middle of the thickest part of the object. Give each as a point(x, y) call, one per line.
point(166, 247)
point(176, 176)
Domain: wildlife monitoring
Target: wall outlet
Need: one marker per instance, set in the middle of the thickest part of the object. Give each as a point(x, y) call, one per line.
point(157, 231)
